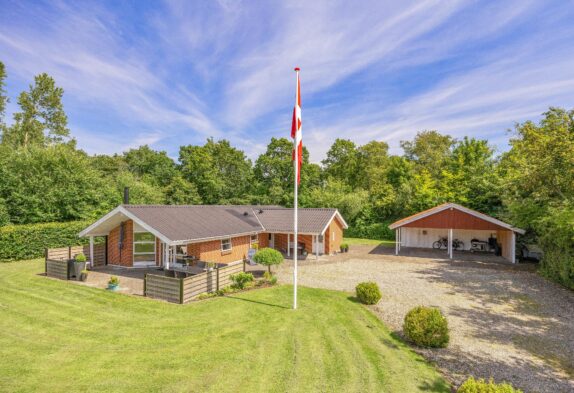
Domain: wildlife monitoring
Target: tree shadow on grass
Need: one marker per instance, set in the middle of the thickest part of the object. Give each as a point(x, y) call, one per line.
point(438, 385)
point(258, 302)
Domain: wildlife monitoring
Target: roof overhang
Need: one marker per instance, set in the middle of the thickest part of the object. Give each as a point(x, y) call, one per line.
point(448, 206)
point(339, 217)
point(111, 220)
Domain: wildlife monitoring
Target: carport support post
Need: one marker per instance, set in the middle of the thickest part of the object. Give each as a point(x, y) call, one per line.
point(288, 240)
point(396, 242)
point(450, 243)
point(317, 246)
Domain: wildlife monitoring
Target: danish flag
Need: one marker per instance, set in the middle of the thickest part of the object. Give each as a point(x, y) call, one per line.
point(296, 129)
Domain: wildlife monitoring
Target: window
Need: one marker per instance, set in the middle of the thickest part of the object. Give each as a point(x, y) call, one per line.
point(226, 244)
point(254, 239)
point(144, 247)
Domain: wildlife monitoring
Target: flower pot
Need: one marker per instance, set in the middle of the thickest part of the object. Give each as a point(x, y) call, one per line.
point(83, 276)
point(77, 269)
point(113, 287)
point(346, 249)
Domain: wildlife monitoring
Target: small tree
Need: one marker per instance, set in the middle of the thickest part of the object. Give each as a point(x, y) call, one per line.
point(268, 257)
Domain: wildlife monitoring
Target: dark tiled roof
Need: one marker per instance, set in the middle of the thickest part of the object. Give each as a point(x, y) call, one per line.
point(281, 219)
point(194, 222)
point(197, 222)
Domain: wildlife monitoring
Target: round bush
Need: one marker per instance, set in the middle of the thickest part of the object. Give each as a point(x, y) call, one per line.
point(268, 257)
point(368, 293)
point(426, 327)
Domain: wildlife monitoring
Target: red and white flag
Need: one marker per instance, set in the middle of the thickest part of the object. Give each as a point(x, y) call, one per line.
point(296, 129)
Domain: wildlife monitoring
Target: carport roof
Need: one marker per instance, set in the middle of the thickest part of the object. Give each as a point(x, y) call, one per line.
point(453, 206)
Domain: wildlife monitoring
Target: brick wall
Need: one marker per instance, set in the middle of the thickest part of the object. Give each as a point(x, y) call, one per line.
point(263, 240)
point(126, 257)
point(158, 252)
point(336, 229)
point(211, 251)
point(280, 242)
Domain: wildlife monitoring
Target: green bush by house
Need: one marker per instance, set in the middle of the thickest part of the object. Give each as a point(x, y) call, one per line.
point(29, 241)
point(472, 385)
point(426, 327)
point(368, 293)
point(268, 257)
point(241, 280)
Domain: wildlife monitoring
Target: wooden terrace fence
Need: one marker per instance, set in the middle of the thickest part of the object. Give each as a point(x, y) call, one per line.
point(70, 252)
point(57, 258)
point(183, 290)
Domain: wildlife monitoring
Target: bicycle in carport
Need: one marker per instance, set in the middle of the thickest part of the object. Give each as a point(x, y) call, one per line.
point(442, 242)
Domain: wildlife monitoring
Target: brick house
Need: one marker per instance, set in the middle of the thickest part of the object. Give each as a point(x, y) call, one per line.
point(161, 235)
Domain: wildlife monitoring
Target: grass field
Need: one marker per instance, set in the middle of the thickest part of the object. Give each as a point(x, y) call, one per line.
point(60, 336)
point(368, 242)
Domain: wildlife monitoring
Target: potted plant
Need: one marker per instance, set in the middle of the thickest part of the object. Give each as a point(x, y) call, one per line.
point(344, 247)
point(209, 266)
point(78, 265)
point(84, 275)
point(114, 283)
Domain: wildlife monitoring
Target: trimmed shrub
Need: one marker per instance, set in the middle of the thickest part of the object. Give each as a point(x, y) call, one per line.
point(30, 240)
point(368, 293)
point(268, 257)
point(472, 385)
point(241, 280)
point(81, 257)
point(378, 231)
point(426, 327)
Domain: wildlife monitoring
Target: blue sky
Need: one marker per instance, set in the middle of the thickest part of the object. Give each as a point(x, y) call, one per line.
point(177, 72)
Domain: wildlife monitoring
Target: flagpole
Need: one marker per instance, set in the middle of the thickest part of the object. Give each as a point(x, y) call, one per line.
point(295, 218)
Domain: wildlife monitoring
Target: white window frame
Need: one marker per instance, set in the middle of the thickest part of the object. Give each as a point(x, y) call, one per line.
point(153, 259)
point(230, 244)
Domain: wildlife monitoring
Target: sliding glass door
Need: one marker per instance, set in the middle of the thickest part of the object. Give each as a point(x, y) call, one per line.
point(144, 249)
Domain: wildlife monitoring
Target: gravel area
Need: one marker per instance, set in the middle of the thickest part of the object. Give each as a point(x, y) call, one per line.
point(506, 321)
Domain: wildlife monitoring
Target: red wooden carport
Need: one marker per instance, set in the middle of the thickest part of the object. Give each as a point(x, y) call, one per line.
point(449, 219)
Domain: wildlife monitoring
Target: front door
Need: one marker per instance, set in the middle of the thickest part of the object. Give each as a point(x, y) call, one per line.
point(318, 240)
point(271, 239)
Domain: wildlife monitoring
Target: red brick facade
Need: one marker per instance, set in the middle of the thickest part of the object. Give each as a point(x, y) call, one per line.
point(123, 256)
point(210, 251)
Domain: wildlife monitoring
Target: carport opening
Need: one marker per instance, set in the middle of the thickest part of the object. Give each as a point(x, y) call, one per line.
point(456, 229)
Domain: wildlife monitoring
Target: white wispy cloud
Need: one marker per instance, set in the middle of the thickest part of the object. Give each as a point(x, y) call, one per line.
point(178, 72)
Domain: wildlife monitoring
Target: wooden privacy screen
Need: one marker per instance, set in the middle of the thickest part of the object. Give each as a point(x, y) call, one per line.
point(70, 252)
point(57, 268)
point(183, 290)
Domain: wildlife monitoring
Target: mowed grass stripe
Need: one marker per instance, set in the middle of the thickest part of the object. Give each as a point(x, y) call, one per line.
point(59, 336)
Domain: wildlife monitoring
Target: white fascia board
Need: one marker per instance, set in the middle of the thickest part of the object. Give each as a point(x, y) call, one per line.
point(335, 214)
point(101, 220)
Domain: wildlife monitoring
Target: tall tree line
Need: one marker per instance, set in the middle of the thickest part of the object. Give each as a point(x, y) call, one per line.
point(44, 177)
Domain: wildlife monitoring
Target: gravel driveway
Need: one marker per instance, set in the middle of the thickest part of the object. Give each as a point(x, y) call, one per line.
point(506, 321)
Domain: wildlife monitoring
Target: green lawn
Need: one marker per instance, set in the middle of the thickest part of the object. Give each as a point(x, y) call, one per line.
point(368, 242)
point(58, 336)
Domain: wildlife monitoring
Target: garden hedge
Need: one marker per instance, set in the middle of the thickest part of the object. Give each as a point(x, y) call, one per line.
point(378, 231)
point(29, 241)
